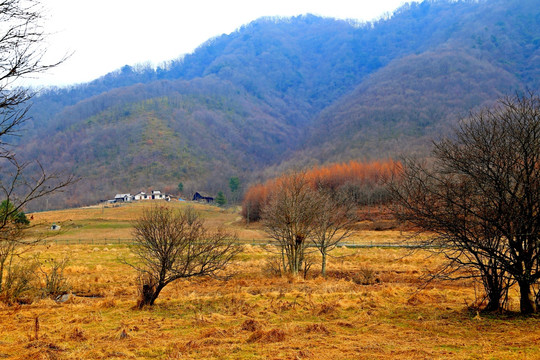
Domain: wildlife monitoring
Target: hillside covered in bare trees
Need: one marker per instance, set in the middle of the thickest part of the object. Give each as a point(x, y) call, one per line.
point(285, 92)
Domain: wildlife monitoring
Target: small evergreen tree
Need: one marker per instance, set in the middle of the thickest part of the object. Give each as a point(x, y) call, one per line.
point(234, 184)
point(9, 213)
point(220, 199)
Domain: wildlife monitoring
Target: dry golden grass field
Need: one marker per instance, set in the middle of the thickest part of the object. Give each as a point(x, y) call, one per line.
point(253, 314)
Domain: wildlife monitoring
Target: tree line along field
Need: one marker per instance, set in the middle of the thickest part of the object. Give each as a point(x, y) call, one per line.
point(374, 304)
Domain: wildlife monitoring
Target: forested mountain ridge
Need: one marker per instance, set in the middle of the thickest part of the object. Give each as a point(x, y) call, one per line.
point(287, 91)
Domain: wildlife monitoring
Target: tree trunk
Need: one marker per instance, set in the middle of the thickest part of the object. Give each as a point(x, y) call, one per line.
point(156, 294)
point(2, 275)
point(494, 303)
point(323, 265)
point(149, 294)
point(284, 264)
point(494, 287)
point(295, 268)
point(295, 260)
point(527, 304)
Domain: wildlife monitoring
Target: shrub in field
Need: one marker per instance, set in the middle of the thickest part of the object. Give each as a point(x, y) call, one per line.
point(55, 283)
point(20, 283)
point(273, 266)
point(270, 336)
point(28, 280)
point(365, 276)
point(251, 325)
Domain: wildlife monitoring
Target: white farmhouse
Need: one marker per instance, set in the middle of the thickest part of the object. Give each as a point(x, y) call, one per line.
point(123, 198)
point(155, 195)
point(158, 195)
point(142, 196)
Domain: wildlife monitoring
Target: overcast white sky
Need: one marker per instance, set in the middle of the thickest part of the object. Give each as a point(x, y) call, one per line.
point(104, 35)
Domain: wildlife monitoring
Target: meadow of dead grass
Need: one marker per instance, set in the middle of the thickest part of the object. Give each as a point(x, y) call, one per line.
point(110, 223)
point(253, 314)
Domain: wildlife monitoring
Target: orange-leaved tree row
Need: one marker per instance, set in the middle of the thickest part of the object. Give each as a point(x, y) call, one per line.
point(362, 182)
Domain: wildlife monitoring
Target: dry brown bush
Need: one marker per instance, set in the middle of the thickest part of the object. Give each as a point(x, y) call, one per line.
point(272, 266)
point(214, 333)
point(21, 283)
point(316, 328)
point(365, 276)
point(328, 308)
point(77, 334)
point(271, 336)
point(251, 325)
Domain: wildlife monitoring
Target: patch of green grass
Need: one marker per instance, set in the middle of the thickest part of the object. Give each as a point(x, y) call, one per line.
point(450, 347)
point(109, 225)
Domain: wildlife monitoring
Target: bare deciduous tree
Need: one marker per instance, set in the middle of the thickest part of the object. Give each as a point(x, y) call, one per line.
point(334, 220)
point(481, 197)
point(21, 53)
point(172, 244)
point(444, 204)
point(298, 216)
point(289, 219)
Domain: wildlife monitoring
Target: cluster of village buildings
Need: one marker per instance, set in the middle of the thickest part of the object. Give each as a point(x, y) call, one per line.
point(155, 195)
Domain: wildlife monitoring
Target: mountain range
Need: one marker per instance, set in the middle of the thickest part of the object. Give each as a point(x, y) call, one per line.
point(283, 93)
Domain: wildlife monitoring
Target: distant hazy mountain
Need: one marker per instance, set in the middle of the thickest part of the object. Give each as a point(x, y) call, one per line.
point(281, 92)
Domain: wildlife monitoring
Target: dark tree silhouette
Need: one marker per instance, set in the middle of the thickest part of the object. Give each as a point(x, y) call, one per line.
point(481, 197)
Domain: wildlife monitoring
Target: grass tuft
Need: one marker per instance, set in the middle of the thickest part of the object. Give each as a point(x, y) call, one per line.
point(270, 336)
